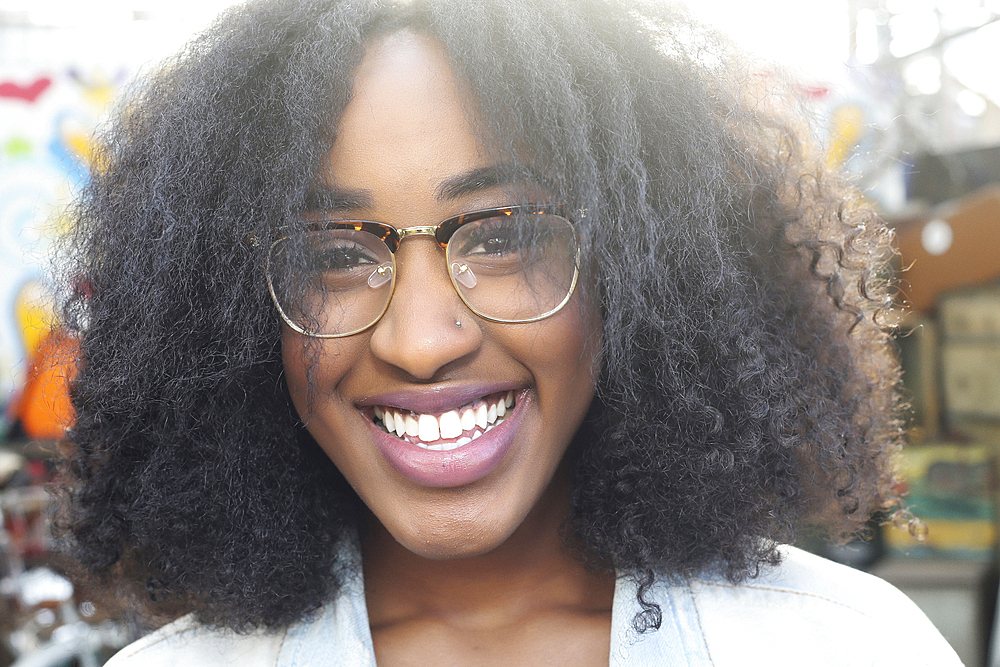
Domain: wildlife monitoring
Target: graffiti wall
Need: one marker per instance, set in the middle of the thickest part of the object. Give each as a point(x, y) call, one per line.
point(46, 122)
point(61, 65)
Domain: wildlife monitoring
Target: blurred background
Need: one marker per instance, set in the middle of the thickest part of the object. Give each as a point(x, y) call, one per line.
point(905, 96)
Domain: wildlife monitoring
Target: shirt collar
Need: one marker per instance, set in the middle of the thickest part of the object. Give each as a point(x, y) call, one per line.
point(339, 634)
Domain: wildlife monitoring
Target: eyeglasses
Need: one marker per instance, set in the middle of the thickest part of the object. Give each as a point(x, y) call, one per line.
point(513, 264)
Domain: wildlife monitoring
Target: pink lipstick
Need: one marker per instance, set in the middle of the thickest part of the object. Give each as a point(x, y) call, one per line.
point(447, 447)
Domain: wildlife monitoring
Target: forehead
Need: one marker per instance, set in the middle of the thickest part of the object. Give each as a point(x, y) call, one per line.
point(403, 60)
point(410, 118)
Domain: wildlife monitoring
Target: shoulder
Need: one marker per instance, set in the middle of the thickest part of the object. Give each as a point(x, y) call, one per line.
point(809, 610)
point(810, 580)
point(186, 642)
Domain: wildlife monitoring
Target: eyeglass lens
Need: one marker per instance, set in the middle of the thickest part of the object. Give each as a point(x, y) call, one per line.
point(510, 268)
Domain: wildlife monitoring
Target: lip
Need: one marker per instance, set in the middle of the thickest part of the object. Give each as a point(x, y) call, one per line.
point(457, 467)
point(437, 399)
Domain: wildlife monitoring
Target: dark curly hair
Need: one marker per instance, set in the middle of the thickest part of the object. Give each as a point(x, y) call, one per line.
point(747, 388)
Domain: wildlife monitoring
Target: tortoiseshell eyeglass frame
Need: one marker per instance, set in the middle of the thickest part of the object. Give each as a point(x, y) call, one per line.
point(442, 233)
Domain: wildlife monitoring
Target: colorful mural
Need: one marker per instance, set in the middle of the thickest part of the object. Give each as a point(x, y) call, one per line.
point(46, 121)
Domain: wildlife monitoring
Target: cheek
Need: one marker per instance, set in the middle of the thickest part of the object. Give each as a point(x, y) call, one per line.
point(574, 347)
point(294, 355)
point(313, 368)
point(566, 361)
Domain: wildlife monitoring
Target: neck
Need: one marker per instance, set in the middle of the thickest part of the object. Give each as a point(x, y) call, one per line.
point(533, 570)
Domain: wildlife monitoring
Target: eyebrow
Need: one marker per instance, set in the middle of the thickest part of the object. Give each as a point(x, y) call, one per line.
point(326, 198)
point(485, 178)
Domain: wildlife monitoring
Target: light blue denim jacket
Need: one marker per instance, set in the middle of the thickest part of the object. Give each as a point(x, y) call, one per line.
point(806, 612)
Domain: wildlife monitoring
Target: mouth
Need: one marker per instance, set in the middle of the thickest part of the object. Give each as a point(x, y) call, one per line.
point(448, 430)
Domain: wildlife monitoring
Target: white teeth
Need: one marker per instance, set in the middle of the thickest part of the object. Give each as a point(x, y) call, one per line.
point(445, 446)
point(450, 425)
point(442, 447)
point(468, 419)
point(428, 428)
point(458, 427)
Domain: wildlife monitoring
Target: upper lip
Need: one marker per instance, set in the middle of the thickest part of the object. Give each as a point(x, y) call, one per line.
point(441, 398)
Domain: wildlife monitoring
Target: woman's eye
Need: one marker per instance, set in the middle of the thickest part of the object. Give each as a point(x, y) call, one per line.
point(492, 246)
point(496, 237)
point(340, 257)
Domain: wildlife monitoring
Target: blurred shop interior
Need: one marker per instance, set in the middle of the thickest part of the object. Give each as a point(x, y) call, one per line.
point(906, 98)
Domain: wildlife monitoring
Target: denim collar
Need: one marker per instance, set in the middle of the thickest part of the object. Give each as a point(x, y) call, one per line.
point(339, 634)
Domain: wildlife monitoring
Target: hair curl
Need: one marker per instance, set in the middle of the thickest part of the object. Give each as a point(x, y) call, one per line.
point(746, 390)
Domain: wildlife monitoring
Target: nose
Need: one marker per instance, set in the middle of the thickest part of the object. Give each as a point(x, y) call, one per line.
point(419, 332)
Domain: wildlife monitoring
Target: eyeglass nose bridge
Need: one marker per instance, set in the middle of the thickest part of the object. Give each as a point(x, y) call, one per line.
point(417, 230)
point(414, 231)
point(459, 270)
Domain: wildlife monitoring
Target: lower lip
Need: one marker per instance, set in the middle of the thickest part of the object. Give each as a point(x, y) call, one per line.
point(465, 465)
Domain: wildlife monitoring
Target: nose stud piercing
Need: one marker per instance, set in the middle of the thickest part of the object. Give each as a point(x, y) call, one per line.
point(458, 323)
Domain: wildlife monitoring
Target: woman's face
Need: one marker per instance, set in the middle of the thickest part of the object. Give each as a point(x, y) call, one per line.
point(405, 155)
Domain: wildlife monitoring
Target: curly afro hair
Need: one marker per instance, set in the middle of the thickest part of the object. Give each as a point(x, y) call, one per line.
point(747, 388)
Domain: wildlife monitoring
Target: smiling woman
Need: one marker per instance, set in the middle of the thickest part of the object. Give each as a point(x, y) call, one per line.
point(480, 332)
point(401, 163)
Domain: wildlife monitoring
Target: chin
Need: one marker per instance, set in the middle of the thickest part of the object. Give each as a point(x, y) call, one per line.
point(456, 540)
point(451, 548)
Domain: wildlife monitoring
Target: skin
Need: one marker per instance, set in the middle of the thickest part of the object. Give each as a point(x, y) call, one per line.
point(476, 574)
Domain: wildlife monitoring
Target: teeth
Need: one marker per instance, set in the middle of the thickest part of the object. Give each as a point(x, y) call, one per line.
point(468, 419)
point(451, 425)
point(412, 428)
point(428, 428)
point(443, 447)
point(458, 427)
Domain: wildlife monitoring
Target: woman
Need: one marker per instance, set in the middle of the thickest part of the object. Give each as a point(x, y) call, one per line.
point(491, 332)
